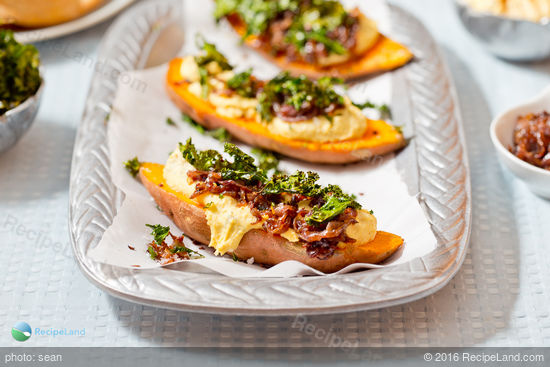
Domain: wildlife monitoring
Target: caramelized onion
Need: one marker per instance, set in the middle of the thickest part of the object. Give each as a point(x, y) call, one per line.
point(532, 139)
point(281, 212)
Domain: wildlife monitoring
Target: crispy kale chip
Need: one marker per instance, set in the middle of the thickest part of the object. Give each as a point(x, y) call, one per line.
point(182, 249)
point(158, 248)
point(210, 54)
point(205, 160)
point(256, 14)
point(383, 109)
point(242, 168)
point(244, 84)
point(336, 202)
point(330, 200)
point(299, 93)
point(20, 76)
point(297, 183)
point(268, 161)
point(194, 124)
point(132, 166)
point(219, 134)
point(313, 20)
point(159, 232)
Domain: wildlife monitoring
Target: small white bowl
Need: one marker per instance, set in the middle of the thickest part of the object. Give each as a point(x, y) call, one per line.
point(502, 135)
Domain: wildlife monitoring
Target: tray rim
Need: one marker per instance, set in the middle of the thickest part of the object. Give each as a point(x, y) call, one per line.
point(413, 294)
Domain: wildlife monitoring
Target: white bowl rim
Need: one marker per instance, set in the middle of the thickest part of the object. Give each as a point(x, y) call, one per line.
point(504, 150)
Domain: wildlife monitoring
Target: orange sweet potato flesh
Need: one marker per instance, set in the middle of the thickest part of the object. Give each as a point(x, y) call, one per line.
point(264, 247)
point(385, 55)
point(380, 137)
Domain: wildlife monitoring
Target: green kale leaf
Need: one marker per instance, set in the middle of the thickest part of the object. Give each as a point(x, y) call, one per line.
point(316, 19)
point(132, 166)
point(206, 160)
point(383, 109)
point(19, 73)
point(194, 124)
point(256, 14)
point(297, 183)
point(335, 203)
point(244, 84)
point(152, 253)
point(159, 232)
point(298, 92)
point(183, 249)
point(210, 54)
point(243, 167)
point(267, 160)
point(331, 199)
point(219, 134)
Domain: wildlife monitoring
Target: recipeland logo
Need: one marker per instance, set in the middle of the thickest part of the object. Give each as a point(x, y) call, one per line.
point(21, 331)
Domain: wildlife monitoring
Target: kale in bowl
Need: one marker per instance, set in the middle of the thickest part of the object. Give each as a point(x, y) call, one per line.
point(19, 71)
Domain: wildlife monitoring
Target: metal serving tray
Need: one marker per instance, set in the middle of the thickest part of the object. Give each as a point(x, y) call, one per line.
point(434, 165)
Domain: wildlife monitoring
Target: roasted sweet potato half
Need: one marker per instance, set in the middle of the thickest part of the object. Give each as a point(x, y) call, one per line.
point(264, 247)
point(379, 137)
point(385, 55)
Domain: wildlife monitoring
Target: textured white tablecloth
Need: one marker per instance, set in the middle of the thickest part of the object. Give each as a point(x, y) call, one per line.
point(500, 297)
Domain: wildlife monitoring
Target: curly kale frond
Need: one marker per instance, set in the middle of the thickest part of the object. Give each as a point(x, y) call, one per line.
point(298, 92)
point(242, 168)
point(132, 166)
point(336, 201)
point(206, 160)
point(159, 232)
point(210, 54)
point(330, 201)
point(244, 84)
point(297, 183)
point(19, 70)
point(267, 160)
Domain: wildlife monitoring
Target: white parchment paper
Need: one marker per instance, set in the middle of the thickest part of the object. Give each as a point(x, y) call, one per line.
point(137, 128)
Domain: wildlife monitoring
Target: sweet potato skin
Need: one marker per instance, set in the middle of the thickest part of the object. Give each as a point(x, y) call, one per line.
point(380, 138)
point(264, 247)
